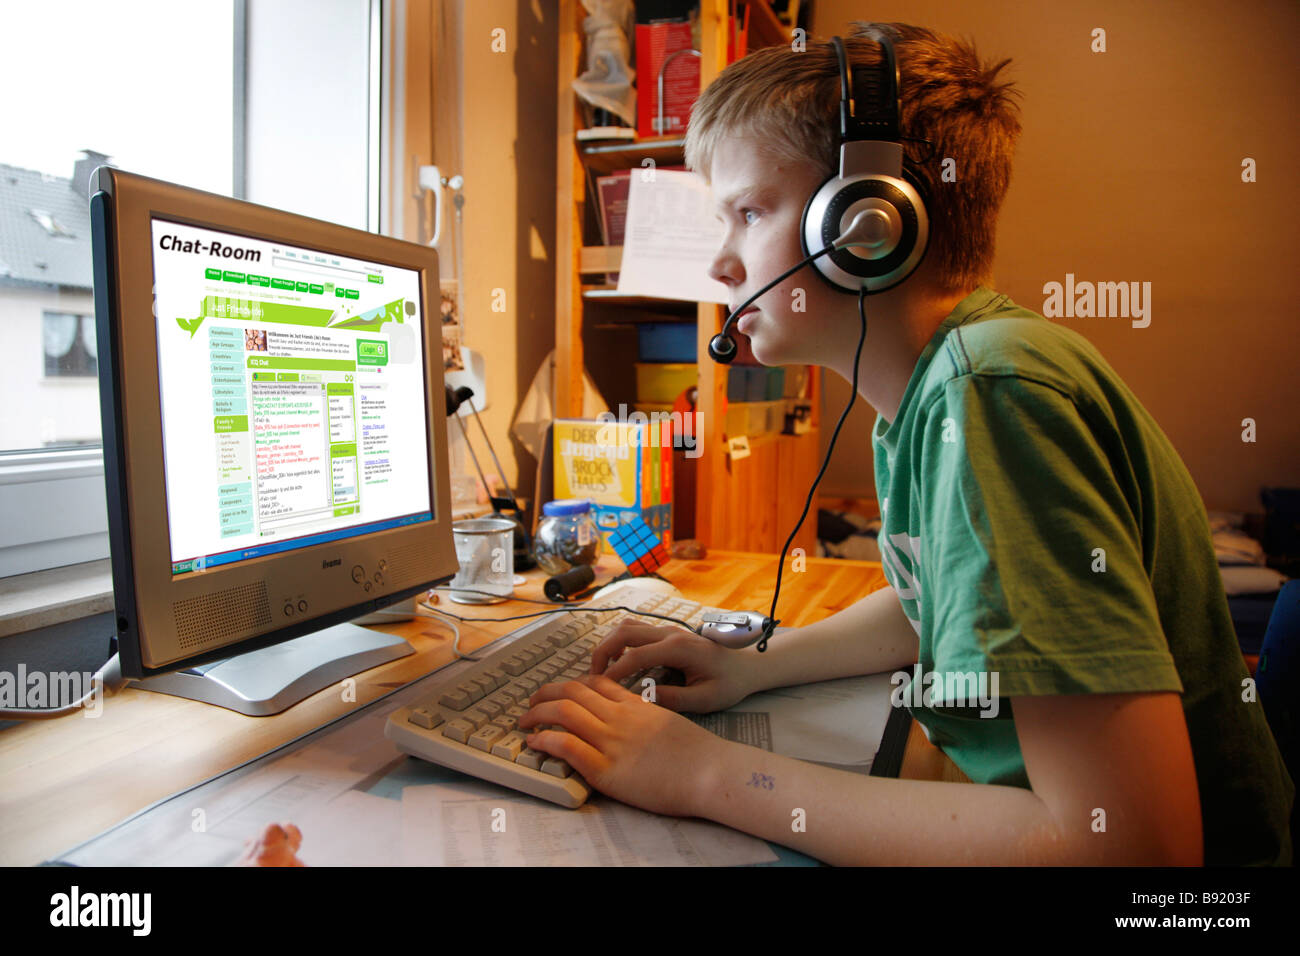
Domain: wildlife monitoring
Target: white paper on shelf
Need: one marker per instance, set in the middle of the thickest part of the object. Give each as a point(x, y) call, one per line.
point(671, 238)
point(475, 824)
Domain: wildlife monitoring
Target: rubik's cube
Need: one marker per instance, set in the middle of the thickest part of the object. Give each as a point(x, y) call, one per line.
point(638, 547)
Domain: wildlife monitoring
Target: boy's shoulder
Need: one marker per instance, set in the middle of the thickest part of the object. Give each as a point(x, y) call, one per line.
point(1001, 339)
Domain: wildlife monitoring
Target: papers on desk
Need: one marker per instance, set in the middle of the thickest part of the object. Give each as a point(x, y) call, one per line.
point(671, 238)
point(834, 722)
point(477, 824)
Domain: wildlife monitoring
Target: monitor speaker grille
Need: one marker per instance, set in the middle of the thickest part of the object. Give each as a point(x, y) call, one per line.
point(211, 617)
point(405, 563)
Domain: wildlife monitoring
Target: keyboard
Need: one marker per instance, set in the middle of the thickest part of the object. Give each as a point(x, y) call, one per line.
point(469, 722)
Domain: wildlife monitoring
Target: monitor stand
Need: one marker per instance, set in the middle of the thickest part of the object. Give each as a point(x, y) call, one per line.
point(273, 679)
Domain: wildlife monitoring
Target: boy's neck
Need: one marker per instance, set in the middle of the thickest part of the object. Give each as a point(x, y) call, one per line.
point(899, 325)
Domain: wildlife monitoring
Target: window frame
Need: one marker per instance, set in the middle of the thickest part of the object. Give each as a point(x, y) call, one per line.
point(52, 501)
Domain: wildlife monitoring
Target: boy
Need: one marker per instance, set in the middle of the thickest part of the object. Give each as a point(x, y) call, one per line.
point(1039, 529)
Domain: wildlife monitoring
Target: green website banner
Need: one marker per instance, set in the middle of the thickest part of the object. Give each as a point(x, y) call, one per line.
point(284, 313)
point(289, 361)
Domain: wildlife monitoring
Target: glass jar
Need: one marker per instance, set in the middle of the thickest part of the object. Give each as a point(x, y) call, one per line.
point(566, 536)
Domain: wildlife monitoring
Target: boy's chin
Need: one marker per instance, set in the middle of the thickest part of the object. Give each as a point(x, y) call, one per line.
point(773, 354)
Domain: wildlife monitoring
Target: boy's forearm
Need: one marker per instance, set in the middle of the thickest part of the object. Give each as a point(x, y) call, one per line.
point(850, 819)
point(869, 636)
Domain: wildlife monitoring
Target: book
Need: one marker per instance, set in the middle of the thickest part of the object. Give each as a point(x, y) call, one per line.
point(618, 467)
point(655, 43)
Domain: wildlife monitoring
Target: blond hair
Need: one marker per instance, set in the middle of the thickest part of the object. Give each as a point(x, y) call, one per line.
point(789, 102)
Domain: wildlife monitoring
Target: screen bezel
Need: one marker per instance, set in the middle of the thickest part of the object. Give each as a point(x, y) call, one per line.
point(145, 590)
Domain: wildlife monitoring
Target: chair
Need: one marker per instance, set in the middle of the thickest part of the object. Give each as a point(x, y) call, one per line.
point(1277, 680)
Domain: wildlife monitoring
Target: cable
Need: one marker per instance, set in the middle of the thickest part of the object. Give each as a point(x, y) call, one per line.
point(853, 395)
point(551, 604)
point(558, 610)
point(455, 630)
point(107, 679)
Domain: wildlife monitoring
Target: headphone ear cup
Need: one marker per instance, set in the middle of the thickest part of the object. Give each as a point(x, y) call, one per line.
point(811, 231)
point(900, 204)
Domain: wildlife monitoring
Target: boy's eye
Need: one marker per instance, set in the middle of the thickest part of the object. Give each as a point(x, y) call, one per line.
point(746, 213)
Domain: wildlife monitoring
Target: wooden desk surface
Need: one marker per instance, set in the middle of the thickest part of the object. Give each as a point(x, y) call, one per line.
point(65, 780)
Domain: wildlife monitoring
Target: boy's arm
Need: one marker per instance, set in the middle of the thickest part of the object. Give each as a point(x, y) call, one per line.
point(868, 637)
point(1112, 776)
point(1113, 783)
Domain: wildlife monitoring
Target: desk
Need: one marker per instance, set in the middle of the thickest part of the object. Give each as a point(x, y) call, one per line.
point(63, 781)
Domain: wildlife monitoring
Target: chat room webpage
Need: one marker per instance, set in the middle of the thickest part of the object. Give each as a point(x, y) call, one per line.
point(293, 395)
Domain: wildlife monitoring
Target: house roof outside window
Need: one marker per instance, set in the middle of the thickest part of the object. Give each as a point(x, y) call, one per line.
point(45, 226)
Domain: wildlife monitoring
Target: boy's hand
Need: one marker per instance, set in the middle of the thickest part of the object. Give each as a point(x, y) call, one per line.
point(623, 745)
point(716, 677)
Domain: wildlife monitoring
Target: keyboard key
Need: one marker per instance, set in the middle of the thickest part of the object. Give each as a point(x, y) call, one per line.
point(475, 716)
point(491, 708)
point(530, 758)
point(529, 685)
point(487, 683)
point(509, 746)
point(506, 722)
point(458, 730)
point(564, 637)
point(573, 673)
point(485, 737)
point(520, 692)
point(514, 666)
point(515, 712)
point(499, 677)
point(455, 698)
point(474, 691)
point(556, 767)
point(425, 718)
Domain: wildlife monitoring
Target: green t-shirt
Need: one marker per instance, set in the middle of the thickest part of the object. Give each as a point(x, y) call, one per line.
point(1041, 531)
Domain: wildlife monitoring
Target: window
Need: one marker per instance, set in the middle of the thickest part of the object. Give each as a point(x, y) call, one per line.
point(69, 345)
point(275, 102)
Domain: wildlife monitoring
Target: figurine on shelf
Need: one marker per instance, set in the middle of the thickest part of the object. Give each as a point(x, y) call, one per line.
point(607, 83)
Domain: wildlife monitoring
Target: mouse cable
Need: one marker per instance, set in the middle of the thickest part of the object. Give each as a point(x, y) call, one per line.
point(558, 610)
point(853, 396)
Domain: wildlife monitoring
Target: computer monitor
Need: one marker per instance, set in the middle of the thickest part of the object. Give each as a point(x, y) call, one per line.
point(274, 429)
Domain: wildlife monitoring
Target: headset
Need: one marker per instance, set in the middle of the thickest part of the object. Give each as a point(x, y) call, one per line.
point(869, 221)
point(871, 227)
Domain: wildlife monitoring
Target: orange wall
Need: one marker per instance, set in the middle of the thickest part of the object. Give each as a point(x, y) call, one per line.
point(1129, 169)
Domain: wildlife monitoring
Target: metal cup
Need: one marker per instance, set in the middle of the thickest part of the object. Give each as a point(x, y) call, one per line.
point(485, 551)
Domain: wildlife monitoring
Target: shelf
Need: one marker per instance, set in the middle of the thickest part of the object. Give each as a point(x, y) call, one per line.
point(600, 259)
point(749, 503)
point(605, 158)
point(609, 295)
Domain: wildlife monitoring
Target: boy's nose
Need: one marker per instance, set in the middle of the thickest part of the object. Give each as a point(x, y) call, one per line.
point(725, 268)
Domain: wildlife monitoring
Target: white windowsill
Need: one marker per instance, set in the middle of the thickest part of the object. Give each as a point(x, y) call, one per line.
point(29, 601)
